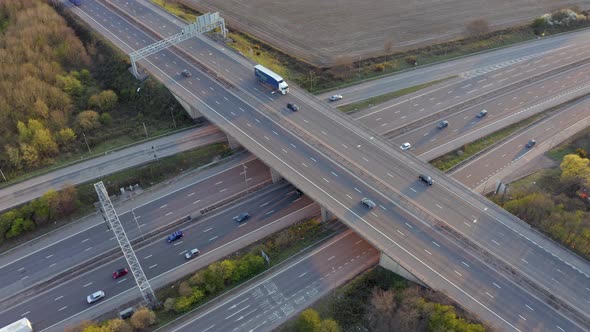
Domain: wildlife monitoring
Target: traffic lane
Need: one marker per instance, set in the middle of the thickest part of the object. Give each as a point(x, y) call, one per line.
point(407, 109)
point(424, 74)
point(500, 110)
point(155, 258)
point(475, 172)
point(289, 290)
point(219, 119)
point(58, 257)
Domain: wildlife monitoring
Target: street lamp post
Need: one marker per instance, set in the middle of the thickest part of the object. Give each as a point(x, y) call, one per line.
point(85, 141)
point(172, 113)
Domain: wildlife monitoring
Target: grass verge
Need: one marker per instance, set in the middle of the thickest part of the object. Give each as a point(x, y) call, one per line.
point(369, 102)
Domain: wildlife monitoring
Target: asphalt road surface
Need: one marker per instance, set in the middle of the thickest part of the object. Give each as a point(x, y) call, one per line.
point(85, 171)
point(83, 247)
point(158, 257)
point(267, 304)
point(468, 66)
point(383, 168)
point(476, 172)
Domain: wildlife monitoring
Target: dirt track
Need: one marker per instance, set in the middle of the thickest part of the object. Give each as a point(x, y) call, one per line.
point(320, 31)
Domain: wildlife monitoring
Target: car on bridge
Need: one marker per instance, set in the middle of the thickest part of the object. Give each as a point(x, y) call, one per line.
point(482, 114)
point(425, 178)
point(406, 146)
point(531, 143)
point(242, 217)
point(335, 97)
point(293, 107)
point(443, 124)
point(368, 203)
point(186, 73)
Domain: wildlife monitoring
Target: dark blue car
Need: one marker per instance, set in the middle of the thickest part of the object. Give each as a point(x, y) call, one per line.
point(174, 236)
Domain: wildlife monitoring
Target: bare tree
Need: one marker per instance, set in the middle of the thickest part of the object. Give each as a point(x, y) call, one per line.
point(382, 307)
point(478, 28)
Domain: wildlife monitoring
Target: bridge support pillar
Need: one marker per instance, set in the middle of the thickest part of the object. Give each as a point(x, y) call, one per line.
point(191, 110)
point(275, 176)
point(326, 214)
point(233, 143)
point(394, 267)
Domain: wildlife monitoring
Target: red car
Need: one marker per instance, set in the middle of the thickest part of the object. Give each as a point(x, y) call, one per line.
point(119, 273)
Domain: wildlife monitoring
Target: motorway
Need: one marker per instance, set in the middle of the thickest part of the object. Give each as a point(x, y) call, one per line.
point(268, 303)
point(330, 182)
point(468, 66)
point(85, 171)
point(158, 257)
point(83, 247)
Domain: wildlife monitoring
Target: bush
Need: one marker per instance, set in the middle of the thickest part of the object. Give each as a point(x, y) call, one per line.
point(105, 119)
point(88, 120)
point(184, 289)
point(411, 60)
point(478, 28)
point(143, 318)
point(308, 321)
point(379, 67)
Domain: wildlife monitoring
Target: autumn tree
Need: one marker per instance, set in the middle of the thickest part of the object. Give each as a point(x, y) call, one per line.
point(381, 309)
point(65, 137)
point(80, 326)
point(329, 325)
point(143, 318)
point(104, 101)
point(118, 325)
point(573, 166)
point(308, 321)
point(184, 289)
point(88, 120)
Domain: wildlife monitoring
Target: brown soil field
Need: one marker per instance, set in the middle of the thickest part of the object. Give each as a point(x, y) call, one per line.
point(321, 31)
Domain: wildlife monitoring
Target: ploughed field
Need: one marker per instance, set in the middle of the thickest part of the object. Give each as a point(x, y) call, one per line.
point(320, 31)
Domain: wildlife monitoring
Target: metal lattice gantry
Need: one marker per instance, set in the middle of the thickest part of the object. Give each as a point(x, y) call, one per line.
point(112, 218)
point(203, 23)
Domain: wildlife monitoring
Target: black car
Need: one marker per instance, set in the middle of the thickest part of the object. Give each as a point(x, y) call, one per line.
point(531, 143)
point(425, 178)
point(186, 73)
point(242, 217)
point(292, 107)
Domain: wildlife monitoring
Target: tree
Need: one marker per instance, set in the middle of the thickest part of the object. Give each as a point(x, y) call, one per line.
point(582, 153)
point(575, 166)
point(478, 28)
point(41, 210)
point(118, 325)
point(184, 289)
point(308, 321)
point(105, 119)
point(329, 325)
point(143, 318)
point(44, 143)
point(381, 309)
point(40, 109)
point(30, 155)
point(80, 326)
point(70, 85)
point(88, 120)
point(104, 101)
point(14, 156)
point(227, 269)
point(169, 304)
point(65, 137)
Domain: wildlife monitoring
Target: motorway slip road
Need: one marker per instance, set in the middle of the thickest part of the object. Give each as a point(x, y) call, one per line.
point(109, 163)
point(276, 296)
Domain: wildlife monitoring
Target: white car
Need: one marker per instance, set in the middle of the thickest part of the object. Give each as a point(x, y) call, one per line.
point(191, 253)
point(405, 146)
point(335, 97)
point(94, 297)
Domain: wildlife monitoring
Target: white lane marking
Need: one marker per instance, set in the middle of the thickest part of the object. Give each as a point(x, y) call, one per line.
point(490, 295)
point(197, 201)
point(265, 204)
point(122, 280)
point(428, 252)
point(359, 241)
point(52, 265)
point(293, 145)
point(326, 180)
point(83, 241)
point(440, 207)
point(401, 232)
point(22, 268)
point(315, 161)
point(269, 212)
point(464, 263)
point(89, 248)
point(63, 308)
point(336, 175)
point(302, 274)
point(522, 317)
point(189, 195)
point(88, 284)
point(58, 298)
point(388, 174)
point(496, 242)
point(213, 238)
point(436, 244)
point(495, 284)
point(237, 312)
point(24, 314)
point(355, 188)
point(208, 229)
point(412, 189)
point(169, 213)
point(46, 257)
point(347, 195)
point(559, 327)
point(524, 260)
point(409, 225)
point(528, 307)
point(383, 207)
point(163, 206)
point(374, 214)
point(151, 267)
point(329, 259)
point(210, 327)
point(458, 273)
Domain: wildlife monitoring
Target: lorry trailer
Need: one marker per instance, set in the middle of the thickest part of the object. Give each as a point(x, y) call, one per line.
point(271, 78)
point(21, 325)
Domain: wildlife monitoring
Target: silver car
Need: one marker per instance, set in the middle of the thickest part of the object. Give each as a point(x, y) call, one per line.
point(94, 297)
point(191, 253)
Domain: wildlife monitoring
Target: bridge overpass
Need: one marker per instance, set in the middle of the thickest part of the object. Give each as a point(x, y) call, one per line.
point(446, 236)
